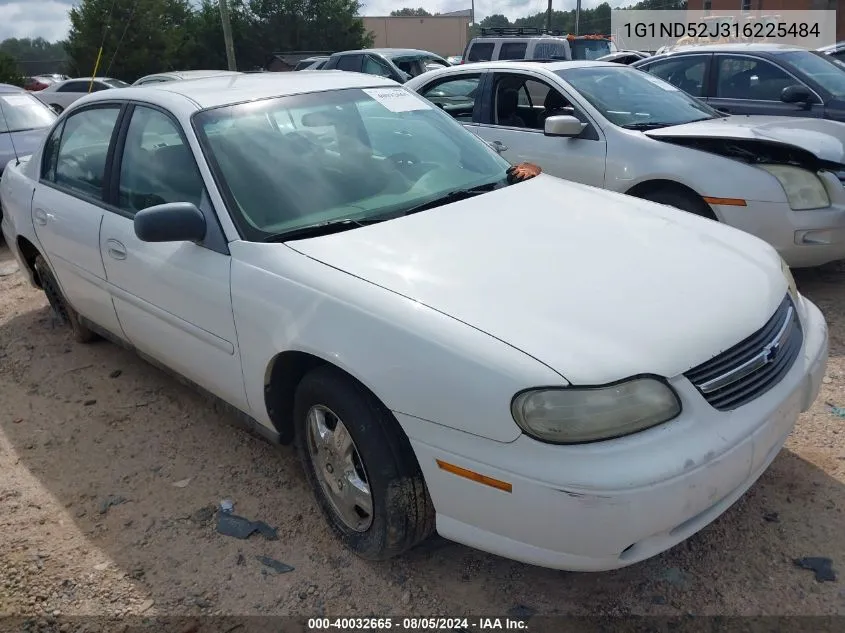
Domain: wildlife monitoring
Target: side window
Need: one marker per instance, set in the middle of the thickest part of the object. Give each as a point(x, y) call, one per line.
point(99, 86)
point(81, 158)
point(686, 73)
point(157, 166)
point(51, 154)
point(374, 66)
point(750, 78)
point(527, 103)
point(73, 86)
point(351, 63)
point(481, 52)
point(456, 95)
point(513, 50)
point(840, 55)
point(550, 50)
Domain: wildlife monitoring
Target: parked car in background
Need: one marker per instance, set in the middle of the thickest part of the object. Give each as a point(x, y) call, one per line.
point(39, 82)
point(312, 63)
point(623, 57)
point(181, 75)
point(523, 43)
point(61, 94)
point(611, 126)
point(771, 79)
point(834, 50)
point(398, 64)
point(354, 306)
point(24, 122)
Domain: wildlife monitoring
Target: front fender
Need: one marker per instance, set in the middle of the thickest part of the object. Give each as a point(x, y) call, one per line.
point(417, 361)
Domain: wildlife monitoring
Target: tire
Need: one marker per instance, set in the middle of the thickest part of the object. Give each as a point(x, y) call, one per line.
point(68, 316)
point(682, 200)
point(401, 512)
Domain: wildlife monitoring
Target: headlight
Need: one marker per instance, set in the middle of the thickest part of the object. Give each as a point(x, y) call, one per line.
point(790, 281)
point(571, 415)
point(803, 188)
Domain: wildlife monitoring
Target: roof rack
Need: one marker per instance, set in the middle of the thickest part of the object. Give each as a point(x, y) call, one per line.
point(518, 31)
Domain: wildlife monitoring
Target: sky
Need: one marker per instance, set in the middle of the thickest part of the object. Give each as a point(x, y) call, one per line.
point(48, 18)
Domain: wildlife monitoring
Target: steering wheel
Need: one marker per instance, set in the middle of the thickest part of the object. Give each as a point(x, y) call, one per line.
point(404, 160)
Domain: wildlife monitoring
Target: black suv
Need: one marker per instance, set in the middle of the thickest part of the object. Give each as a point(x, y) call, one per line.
point(768, 79)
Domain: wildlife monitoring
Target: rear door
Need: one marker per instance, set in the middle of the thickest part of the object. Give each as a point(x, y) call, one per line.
point(746, 84)
point(690, 73)
point(68, 208)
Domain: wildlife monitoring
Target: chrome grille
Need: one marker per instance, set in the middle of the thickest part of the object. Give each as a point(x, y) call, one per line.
point(752, 367)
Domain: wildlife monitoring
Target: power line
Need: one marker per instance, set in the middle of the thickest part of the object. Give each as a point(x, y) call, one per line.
point(122, 35)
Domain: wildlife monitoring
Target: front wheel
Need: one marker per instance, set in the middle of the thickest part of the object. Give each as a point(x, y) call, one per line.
point(68, 316)
point(682, 200)
point(360, 466)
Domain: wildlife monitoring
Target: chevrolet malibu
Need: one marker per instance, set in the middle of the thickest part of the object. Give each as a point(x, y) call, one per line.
point(561, 375)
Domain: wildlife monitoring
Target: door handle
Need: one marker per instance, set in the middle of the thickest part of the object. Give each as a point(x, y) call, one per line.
point(499, 146)
point(115, 249)
point(40, 217)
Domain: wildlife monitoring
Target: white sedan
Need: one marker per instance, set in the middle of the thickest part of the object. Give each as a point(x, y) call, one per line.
point(61, 94)
point(612, 126)
point(557, 374)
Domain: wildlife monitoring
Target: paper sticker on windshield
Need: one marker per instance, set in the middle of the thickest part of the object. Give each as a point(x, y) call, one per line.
point(660, 83)
point(397, 99)
point(17, 100)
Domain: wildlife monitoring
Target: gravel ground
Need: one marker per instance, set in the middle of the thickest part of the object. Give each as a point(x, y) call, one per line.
point(110, 473)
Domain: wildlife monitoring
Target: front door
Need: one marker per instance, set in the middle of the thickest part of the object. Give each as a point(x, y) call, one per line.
point(514, 122)
point(68, 207)
point(173, 299)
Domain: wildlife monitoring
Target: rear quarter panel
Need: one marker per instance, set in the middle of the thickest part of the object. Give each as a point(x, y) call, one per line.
point(16, 191)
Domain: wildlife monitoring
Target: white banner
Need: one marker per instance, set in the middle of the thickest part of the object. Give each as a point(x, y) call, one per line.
point(651, 30)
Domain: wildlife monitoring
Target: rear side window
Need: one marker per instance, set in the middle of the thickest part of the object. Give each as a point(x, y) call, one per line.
point(686, 73)
point(550, 50)
point(513, 50)
point(74, 86)
point(351, 63)
point(481, 52)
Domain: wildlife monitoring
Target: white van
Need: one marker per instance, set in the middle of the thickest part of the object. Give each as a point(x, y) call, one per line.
point(520, 43)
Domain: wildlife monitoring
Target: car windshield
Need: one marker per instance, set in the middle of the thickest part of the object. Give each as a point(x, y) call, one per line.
point(115, 83)
point(631, 98)
point(591, 49)
point(22, 112)
point(826, 71)
point(357, 154)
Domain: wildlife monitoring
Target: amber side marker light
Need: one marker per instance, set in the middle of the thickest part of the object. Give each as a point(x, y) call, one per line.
point(474, 476)
point(729, 202)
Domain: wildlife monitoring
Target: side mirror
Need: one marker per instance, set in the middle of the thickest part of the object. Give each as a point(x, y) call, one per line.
point(796, 94)
point(170, 222)
point(566, 126)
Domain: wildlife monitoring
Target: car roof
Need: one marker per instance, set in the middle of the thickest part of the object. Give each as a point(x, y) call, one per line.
point(532, 65)
point(220, 90)
point(192, 74)
point(391, 52)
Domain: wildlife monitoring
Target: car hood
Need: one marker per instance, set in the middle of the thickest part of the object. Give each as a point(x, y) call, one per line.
point(823, 139)
point(597, 285)
point(24, 143)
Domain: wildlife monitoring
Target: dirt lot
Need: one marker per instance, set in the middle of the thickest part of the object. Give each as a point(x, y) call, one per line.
point(109, 474)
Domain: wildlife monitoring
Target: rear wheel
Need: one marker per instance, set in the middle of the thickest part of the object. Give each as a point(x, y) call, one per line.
point(68, 316)
point(361, 466)
point(683, 200)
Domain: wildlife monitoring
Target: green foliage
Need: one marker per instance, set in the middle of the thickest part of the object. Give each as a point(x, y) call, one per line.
point(410, 13)
point(35, 56)
point(9, 73)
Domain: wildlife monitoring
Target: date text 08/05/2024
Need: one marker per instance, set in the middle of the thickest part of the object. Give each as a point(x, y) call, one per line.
point(756, 30)
point(416, 624)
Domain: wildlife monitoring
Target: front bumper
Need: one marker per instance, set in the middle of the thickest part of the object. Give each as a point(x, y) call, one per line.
point(803, 238)
point(610, 504)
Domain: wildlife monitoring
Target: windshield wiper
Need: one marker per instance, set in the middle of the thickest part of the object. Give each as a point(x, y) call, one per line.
point(320, 228)
point(651, 125)
point(454, 196)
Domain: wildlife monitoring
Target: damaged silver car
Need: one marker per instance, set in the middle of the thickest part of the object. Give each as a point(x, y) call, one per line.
point(614, 127)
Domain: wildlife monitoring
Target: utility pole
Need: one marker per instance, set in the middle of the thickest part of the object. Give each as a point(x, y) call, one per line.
point(549, 17)
point(227, 35)
point(578, 17)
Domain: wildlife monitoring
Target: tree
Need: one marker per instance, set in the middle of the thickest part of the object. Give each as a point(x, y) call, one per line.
point(410, 13)
point(35, 56)
point(9, 73)
point(138, 37)
point(495, 21)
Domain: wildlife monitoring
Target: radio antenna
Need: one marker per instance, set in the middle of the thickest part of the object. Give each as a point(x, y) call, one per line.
point(9, 131)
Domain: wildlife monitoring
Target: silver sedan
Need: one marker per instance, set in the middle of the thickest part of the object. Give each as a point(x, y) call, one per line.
point(614, 127)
